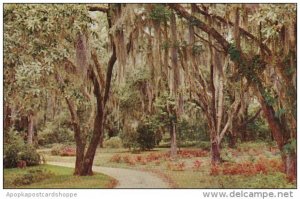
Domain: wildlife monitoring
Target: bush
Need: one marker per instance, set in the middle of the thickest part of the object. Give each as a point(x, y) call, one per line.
point(32, 176)
point(55, 150)
point(30, 156)
point(146, 137)
point(68, 151)
point(129, 139)
point(113, 142)
point(56, 131)
point(16, 150)
point(63, 150)
point(204, 145)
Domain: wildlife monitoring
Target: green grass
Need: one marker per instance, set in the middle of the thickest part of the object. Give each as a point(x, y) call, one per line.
point(62, 178)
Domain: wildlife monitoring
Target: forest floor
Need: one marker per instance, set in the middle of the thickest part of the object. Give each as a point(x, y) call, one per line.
point(127, 178)
point(251, 165)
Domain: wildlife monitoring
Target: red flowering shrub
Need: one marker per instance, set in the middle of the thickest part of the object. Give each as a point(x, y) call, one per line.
point(263, 165)
point(197, 165)
point(128, 160)
point(215, 170)
point(68, 151)
point(180, 166)
point(192, 153)
point(138, 158)
point(116, 158)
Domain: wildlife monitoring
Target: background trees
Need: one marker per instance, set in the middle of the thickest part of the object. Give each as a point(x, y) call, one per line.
point(152, 72)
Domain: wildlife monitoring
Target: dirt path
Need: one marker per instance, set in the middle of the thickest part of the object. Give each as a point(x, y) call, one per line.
point(127, 178)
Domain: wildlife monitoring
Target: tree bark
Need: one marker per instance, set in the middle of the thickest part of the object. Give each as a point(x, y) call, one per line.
point(7, 117)
point(290, 164)
point(215, 149)
point(173, 149)
point(91, 151)
point(30, 131)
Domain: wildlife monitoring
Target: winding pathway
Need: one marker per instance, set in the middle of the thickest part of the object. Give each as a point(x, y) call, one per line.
point(127, 178)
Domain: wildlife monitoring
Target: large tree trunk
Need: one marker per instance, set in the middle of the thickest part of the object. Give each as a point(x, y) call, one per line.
point(91, 151)
point(99, 120)
point(215, 150)
point(7, 117)
point(30, 131)
point(290, 165)
point(79, 158)
point(176, 82)
point(282, 137)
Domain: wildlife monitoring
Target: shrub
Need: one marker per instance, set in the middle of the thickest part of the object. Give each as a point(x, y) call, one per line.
point(146, 137)
point(113, 142)
point(129, 139)
point(116, 158)
point(215, 170)
point(32, 176)
point(16, 150)
point(55, 150)
point(63, 150)
point(262, 166)
point(180, 166)
point(56, 131)
point(138, 158)
point(192, 153)
point(197, 165)
point(204, 145)
point(30, 156)
point(68, 151)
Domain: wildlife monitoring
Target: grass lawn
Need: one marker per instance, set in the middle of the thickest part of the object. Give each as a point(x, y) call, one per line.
point(200, 178)
point(61, 177)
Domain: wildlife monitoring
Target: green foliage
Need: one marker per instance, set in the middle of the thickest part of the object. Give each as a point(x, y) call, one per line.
point(129, 139)
point(146, 137)
point(53, 133)
point(56, 131)
point(191, 130)
point(32, 176)
point(290, 147)
point(248, 68)
point(113, 142)
point(205, 145)
point(160, 13)
point(16, 150)
point(273, 17)
point(268, 95)
point(131, 93)
point(197, 49)
point(165, 45)
point(29, 155)
point(259, 129)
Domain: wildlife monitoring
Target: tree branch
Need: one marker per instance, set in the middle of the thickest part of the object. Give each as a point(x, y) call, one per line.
point(252, 118)
point(242, 31)
point(98, 8)
point(200, 24)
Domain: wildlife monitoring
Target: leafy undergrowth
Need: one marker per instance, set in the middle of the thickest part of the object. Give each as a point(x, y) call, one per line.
point(192, 169)
point(157, 158)
point(262, 166)
point(48, 176)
